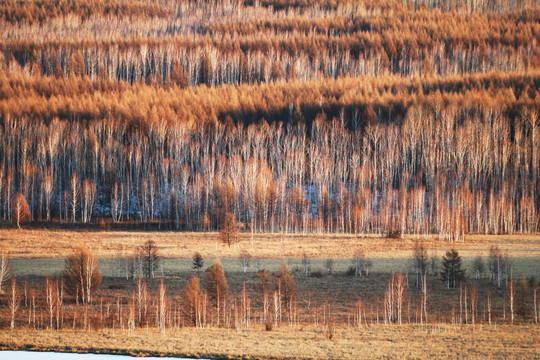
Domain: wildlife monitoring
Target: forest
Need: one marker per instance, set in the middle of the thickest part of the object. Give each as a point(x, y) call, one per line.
point(373, 117)
point(143, 142)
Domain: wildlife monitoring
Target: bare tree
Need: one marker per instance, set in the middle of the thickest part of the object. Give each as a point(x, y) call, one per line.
point(72, 196)
point(329, 266)
point(512, 298)
point(117, 202)
point(50, 300)
point(229, 229)
point(358, 261)
point(6, 268)
point(305, 264)
point(286, 284)
point(14, 302)
point(82, 275)
point(245, 258)
point(478, 267)
point(20, 210)
point(88, 198)
point(150, 258)
point(48, 188)
point(496, 264)
point(535, 291)
point(161, 306)
point(420, 262)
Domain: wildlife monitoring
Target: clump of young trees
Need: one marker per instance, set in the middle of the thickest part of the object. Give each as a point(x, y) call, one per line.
point(82, 275)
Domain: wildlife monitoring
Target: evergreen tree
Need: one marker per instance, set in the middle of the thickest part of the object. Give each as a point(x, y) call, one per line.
point(198, 262)
point(452, 273)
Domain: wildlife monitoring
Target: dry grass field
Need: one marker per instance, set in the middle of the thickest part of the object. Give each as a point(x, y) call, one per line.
point(378, 341)
point(42, 252)
point(31, 243)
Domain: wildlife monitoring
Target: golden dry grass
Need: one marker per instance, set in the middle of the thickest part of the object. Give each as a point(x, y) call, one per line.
point(28, 243)
point(378, 341)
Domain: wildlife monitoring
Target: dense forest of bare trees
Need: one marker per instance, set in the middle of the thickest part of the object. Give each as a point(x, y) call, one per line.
point(338, 116)
point(225, 42)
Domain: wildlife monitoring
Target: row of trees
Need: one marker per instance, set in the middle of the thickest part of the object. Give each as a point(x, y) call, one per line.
point(72, 301)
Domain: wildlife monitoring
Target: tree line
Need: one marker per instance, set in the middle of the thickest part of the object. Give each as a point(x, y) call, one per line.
point(73, 299)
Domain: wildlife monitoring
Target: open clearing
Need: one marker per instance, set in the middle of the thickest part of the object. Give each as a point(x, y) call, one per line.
point(31, 243)
point(40, 252)
point(378, 341)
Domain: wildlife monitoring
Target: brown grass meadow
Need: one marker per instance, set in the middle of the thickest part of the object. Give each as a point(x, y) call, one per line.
point(36, 242)
point(325, 301)
point(379, 341)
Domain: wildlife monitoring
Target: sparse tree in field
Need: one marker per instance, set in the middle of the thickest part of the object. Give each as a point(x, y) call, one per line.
point(434, 264)
point(20, 211)
point(474, 304)
point(161, 307)
point(6, 268)
point(216, 285)
point(245, 258)
point(534, 286)
point(197, 262)
point(142, 301)
point(420, 262)
point(512, 298)
point(191, 297)
point(478, 267)
point(229, 229)
point(452, 273)
point(394, 298)
point(264, 286)
point(50, 300)
point(522, 297)
point(329, 266)
point(277, 307)
point(14, 302)
point(305, 264)
point(488, 305)
point(496, 264)
point(358, 261)
point(131, 317)
point(32, 309)
point(424, 297)
point(82, 275)
point(265, 282)
point(150, 258)
point(288, 285)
